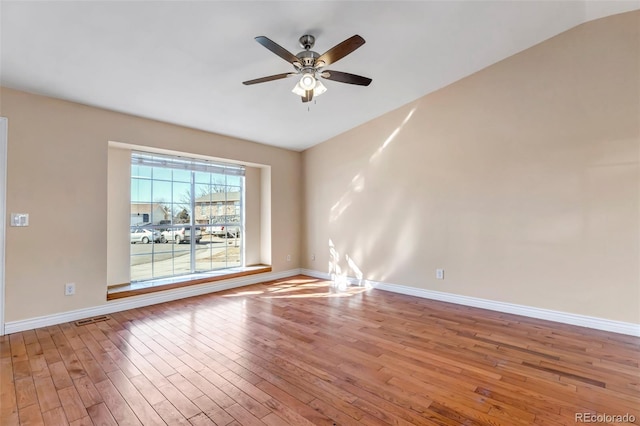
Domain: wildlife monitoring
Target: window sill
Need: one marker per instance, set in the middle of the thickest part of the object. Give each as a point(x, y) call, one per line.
point(143, 287)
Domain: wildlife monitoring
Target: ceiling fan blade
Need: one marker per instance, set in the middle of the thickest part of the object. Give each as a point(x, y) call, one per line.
point(307, 96)
point(345, 77)
point(339, 51)
point(277, 49)
point(268, 78)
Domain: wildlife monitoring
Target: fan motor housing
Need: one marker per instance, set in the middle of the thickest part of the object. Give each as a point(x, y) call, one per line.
point(307, 57)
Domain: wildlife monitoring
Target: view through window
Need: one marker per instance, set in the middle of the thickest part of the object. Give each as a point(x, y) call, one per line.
point(186, 216)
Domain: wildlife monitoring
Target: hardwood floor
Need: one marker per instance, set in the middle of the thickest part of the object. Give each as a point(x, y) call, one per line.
point(300, 352)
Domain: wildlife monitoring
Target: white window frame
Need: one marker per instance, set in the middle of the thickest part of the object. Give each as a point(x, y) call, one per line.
point(4, 127)
point(194, 165)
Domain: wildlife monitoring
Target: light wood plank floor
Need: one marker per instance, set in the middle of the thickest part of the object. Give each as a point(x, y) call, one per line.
point(300, 352)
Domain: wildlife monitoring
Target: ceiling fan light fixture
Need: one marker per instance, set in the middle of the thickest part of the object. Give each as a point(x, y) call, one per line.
point(308, 81)
point(318, 89)
point(298, 90)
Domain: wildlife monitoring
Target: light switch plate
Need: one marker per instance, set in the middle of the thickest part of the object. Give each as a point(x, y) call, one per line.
point(19, 219)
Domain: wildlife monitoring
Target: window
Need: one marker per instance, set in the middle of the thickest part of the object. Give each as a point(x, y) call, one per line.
point(176, 225)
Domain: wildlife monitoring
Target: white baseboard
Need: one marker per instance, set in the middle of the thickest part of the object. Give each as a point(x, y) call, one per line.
point(316, 274)
point(509, 308)
point(144, 300)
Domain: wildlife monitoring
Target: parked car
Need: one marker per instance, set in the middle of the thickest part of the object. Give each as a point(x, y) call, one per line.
point(226, 231)
point(145, 236)
point(181, 235)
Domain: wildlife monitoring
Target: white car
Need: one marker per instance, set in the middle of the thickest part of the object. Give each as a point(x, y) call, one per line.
point(181, 235)
point(226, 231)
point(144, 236)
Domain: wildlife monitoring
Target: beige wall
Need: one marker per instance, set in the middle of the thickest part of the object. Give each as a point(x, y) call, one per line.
point(253, 212)
point(521, 181)
point(57, 172)
point(118, 215)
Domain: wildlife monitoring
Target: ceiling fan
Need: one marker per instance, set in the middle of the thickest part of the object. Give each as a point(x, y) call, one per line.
point(311, 66)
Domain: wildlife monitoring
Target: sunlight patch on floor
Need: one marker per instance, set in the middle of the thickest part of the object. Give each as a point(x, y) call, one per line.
point(298, 288)
point(244, 293)
point(329, 294)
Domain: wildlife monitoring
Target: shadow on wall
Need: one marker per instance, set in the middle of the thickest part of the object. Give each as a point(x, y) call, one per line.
point(345, 271)
point(342, 278)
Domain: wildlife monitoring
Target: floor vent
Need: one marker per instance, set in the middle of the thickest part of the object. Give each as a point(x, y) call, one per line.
point(92, 320)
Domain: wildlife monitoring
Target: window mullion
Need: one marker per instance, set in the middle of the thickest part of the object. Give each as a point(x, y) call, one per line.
point(192, 238)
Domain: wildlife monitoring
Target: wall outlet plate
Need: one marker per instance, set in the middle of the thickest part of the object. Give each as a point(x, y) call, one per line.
point(440, 274)
point(69, 289)
point(19, 219)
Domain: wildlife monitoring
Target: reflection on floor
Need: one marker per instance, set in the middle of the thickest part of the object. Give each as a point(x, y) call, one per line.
point(302, 288)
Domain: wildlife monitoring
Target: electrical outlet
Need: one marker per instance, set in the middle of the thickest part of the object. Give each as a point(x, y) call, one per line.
point(69, 289)
point(288, 258)
point(440, 274)
point(313, 257)
point(19, 219)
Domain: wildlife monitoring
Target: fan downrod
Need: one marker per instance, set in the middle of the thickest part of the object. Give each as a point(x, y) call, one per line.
point(307, 41)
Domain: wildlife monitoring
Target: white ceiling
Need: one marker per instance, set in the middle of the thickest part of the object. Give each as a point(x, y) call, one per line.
point(183, 62)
